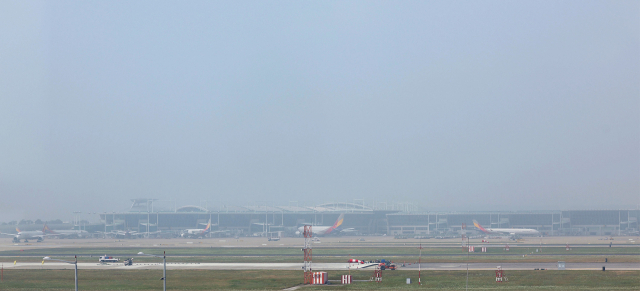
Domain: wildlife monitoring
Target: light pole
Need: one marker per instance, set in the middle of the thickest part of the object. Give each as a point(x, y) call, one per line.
point(467, 286)
point(75, 263)
point(420, 264)
point(164, 270)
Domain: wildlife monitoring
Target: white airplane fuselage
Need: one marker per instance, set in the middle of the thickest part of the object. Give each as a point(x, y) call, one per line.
point(514, 231)
point(509, 231)
point(194, 231)
point(27, 235)
point(316, 230)
point(69, 233)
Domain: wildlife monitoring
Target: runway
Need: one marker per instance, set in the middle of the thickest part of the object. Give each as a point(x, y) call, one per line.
point(364, 255)
point(192, 266)
point(632, 243)
point(324, 266)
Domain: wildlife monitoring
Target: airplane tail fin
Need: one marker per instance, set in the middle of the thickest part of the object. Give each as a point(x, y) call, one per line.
point(46, 229)
point(336, 224)
point(476, 224)
point(208, 226)
point(17, 229)
point(339, 221)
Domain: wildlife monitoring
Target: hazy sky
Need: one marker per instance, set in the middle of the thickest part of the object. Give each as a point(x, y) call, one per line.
point(471, 105)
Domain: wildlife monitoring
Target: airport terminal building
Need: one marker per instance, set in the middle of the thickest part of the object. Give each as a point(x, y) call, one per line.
point(365, 220)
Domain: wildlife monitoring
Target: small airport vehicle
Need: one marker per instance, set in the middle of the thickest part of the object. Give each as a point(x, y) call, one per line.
point(356, 261)
point(390, 266)
point(274, 239)
point(128, 262)
point(386, 265)
point(106, 259)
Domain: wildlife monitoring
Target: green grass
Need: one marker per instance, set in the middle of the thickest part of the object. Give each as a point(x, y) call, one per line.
point(275, 280)
point(485, 280)
point(148, 280)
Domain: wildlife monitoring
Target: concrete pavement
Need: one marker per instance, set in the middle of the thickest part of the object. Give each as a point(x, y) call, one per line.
point(323, 266)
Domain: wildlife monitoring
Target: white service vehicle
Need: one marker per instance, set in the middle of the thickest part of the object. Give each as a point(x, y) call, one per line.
point(106, 259)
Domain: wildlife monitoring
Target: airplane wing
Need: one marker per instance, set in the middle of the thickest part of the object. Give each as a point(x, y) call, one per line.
point(220, 231)
point(14, 234)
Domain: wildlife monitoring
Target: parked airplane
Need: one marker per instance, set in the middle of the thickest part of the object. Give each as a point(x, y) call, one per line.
point(509, 231)
point(65, 233)
point(122, 234)
point(132, 234)
point(197, 232)
point(127, 234)
point(27, 235)
point(325, 230)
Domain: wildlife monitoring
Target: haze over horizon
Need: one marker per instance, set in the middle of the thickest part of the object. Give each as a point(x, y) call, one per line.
point(451, 105)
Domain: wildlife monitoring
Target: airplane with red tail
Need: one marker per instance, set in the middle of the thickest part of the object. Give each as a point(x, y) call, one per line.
point(318, 230)
point(509, 231)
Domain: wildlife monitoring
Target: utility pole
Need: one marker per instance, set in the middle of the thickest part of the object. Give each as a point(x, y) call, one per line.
point(420, 264)
point(467, 286)
point(76, 271)
point(75, 263)
point(164, 269)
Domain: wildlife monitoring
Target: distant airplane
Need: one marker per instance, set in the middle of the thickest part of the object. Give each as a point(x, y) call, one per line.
point(131, 234)
point(123, 234)
point(197, 232)
point(509, 231)
point(27, 235)
point(65, 233)
point(325, 230)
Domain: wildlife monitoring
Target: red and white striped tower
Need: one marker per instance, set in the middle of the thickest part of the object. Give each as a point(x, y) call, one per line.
point(377, 275)
point(463, 231)
point(308, 275)
point(500, 275)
